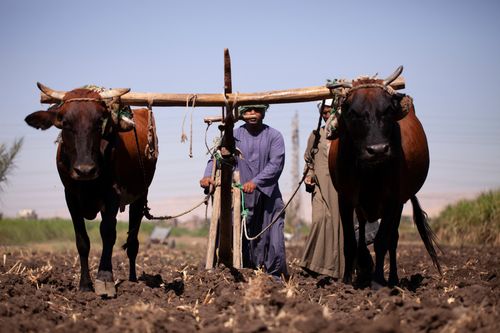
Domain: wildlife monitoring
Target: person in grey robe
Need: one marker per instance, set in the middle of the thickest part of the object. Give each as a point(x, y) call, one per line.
point(260, 165)
point(324, 250)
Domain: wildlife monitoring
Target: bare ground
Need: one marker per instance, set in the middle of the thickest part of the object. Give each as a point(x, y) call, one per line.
point(38, 293)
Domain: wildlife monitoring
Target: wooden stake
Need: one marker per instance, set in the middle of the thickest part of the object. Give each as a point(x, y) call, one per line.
point(237, 255)
point(228, 147)
point(214, 224)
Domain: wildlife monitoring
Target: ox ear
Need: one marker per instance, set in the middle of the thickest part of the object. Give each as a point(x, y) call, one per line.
point(400, 105)
point(43, 120)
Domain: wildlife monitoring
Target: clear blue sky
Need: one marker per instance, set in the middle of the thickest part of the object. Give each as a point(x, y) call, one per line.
point(450, 51)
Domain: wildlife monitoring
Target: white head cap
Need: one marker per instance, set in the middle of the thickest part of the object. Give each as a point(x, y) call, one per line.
point(328, 102)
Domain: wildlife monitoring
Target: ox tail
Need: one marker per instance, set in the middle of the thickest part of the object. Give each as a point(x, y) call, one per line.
point(424, 229)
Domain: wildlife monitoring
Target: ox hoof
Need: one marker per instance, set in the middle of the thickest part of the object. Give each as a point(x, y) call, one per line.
point(362, 281)
point(86, 287)
point(393, 282)
point(105, 289)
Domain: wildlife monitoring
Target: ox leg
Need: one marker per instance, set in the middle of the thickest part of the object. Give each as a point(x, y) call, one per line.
point(136, 213)
point(105, 281)
point(393, 245)
point(364, 259)
point(82, 243)
point(346, 215)
point(380, 247)
point(384, 241)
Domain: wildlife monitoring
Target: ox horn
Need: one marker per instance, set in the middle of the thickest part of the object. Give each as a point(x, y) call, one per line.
point(394, 76)
point(112, 93)
point(59, 95)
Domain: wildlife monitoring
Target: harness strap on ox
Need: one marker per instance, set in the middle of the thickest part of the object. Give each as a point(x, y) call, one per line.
point(340, 94)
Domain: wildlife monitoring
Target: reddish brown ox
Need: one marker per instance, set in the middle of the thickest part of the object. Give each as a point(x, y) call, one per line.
point(379, 161)
point(102, 168)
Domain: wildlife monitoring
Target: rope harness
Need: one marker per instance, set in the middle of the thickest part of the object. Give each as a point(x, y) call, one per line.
point(342, 93)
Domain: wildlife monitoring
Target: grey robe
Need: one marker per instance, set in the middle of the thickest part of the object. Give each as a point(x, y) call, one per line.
point(324, 250)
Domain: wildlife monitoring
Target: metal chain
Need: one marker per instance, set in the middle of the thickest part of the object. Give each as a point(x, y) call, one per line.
point(168, 217)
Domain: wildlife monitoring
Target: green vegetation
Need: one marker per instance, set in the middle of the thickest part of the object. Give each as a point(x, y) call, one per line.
point(181, 231)
point(474, 221)
point(25, 232)
point(60, 233)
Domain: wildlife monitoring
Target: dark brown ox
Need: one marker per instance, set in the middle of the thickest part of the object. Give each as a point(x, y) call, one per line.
point(103, 167)
point(379, 160)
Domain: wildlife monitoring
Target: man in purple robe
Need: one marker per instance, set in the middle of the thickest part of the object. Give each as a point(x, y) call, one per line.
point(260, 165)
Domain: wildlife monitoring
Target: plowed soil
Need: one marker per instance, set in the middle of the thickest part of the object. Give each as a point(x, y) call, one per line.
point(38, 293)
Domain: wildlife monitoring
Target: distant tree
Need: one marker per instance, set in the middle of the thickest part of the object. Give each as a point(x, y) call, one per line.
point(7, 157)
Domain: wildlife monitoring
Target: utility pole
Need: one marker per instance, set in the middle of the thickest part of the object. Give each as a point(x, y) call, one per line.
point(293, 215)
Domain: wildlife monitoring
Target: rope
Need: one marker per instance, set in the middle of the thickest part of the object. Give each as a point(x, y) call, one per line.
point(151, 150)
point(209, 150)
point(146, 208)
point(183, 134)
point(231, 108)
point(387, 88)
point(244, 211)
point(83, 99)
point(168, 217)
point(191, 129)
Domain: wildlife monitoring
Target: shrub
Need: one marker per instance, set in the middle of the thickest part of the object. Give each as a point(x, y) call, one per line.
point(474, 221)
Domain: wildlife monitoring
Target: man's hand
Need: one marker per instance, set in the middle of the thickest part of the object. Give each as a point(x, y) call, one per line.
point(310, 184)
point(249, 187)
point(206, 181)
point(309, 180)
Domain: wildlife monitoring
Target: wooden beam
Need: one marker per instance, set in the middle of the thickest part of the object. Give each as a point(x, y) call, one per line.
point(228, 82)
point(228, 147)
point(270, 97)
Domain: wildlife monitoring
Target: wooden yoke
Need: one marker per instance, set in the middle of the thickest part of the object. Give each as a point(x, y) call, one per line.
point(267, 97)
